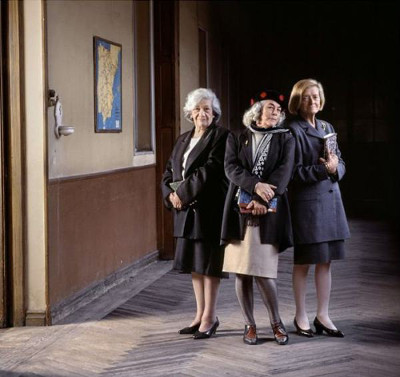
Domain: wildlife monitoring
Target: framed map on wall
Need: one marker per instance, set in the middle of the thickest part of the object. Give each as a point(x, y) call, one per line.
point(107, 85)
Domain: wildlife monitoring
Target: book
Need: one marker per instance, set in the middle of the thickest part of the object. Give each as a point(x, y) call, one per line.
point(175, 185)
point(330, 144)
point(273, 205)
point(244, 198)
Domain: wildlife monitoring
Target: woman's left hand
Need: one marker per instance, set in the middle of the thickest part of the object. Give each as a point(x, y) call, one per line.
point(331, 163)
point(175, 200)
point(256, 208)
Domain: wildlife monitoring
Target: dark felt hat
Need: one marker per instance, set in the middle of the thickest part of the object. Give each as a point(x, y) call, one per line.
point(271, 94)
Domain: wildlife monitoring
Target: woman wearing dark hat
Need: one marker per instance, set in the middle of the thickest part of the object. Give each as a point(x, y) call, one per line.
point(258, 163)
point(319, 220)
point(194, 186)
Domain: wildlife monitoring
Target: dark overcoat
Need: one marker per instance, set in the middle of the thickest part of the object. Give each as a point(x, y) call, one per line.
point(203, 191)
point(275, 228)
point(317, 210)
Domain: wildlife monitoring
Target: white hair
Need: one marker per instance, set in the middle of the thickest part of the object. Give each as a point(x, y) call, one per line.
point(253, 115)
point(198, 95)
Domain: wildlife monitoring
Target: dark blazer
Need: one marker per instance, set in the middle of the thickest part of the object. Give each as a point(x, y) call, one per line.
point(203, 191)
point(317, 210)
point(275, 228)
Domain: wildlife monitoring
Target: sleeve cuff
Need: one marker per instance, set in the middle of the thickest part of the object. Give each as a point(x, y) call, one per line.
point(322, 172)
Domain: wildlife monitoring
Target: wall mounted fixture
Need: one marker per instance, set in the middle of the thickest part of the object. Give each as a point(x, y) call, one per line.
point(59, 128)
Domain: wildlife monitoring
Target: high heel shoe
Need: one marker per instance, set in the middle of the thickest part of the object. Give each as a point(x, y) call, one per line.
point(207, 334)
point(308, 333)
point(280, 334)
point(320, 328)
point(190, 329)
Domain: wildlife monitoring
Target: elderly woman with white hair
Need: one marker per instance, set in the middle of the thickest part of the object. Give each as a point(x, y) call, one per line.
point(256, 224)
point(194, 186)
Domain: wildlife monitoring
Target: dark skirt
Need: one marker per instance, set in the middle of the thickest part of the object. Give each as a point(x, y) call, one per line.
point(202, 257)
point(315, 253)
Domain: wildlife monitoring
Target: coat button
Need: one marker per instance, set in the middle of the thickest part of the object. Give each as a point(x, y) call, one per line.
point(331, 190)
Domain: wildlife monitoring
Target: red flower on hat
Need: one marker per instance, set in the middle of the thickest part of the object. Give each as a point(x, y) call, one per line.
point(282, 97)
point(263, 94)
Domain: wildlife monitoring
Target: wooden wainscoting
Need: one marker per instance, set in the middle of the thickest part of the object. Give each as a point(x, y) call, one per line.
point(98, 224)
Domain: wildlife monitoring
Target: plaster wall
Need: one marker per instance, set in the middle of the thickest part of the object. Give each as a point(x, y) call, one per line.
point(35, 158)
point(71, 26)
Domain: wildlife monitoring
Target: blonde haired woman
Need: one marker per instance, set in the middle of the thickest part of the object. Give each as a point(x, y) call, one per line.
point(318, 217)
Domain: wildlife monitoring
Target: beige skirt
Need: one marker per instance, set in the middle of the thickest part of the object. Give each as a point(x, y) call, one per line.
point(251, 257)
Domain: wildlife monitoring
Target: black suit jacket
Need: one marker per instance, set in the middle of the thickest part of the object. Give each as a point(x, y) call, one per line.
point(203, 191)
point(275, 228)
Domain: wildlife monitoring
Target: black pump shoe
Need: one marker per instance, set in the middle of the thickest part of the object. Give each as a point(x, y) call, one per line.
point(207, 334)
point(320, 328)
point(308, 333)
point(190, 329)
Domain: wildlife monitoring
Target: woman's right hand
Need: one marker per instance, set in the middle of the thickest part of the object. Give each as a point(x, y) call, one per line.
point(331, 163)
point(175, 200)
point(256, 208)
point(265, 191)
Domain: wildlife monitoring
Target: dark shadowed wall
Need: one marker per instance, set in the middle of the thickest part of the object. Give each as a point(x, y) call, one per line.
point(352, 48)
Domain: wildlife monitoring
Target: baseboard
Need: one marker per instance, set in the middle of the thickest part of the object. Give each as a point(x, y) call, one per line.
point(35, 318)
point(84, 297)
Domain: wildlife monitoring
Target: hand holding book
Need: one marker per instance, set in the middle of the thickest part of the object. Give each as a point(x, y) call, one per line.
point(175, 200)
point(264, 190)
point(244, 199)
point(248, 205)
point(331, 163)
point(256, 208)
point(330, 159)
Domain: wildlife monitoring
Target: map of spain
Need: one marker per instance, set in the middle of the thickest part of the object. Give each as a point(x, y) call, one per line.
point(108, 88)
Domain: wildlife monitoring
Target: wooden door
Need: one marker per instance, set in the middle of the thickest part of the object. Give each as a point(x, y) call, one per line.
point(167, 112)
point(3, 290)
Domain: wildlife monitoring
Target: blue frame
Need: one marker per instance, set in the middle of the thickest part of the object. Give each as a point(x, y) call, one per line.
point(107, 111)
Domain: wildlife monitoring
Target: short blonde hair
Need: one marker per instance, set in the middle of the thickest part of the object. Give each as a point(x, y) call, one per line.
point(296, 97)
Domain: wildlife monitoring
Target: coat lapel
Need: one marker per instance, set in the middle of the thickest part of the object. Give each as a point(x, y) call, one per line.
point(310, 130)
point(248, 148)
point(200, 146)
point(182, 146)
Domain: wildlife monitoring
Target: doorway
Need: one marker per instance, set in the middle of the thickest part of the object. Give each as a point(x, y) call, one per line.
point(167, 108)
point(3, 286)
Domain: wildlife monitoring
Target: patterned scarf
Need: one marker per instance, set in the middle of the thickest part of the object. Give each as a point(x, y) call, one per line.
point(262, 150)
point(261, 156)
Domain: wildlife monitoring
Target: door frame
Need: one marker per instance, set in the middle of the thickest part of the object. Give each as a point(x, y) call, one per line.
point(13, 164)
point(3, 277)
point(167, 102)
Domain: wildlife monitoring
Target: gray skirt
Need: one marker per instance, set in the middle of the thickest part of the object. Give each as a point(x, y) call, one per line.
point(315, 253)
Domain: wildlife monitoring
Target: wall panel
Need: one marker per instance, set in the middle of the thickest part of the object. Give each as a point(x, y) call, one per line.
point(97, 225)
